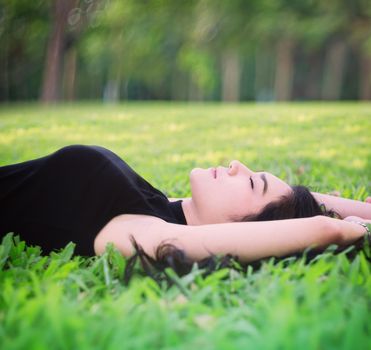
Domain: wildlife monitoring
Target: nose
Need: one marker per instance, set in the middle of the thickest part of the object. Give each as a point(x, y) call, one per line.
point(236, 166)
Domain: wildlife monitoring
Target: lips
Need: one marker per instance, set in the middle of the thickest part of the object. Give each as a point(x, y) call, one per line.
point(213, 172)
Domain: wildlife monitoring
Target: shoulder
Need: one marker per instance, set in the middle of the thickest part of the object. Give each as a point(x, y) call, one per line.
point(118, 230)
point(84, 155)
point(80, 150)
point(148, 231)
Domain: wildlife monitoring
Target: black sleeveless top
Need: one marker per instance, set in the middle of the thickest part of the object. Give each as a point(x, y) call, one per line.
point(71, 194)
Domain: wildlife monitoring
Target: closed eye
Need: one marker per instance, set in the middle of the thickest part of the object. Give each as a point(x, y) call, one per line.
point(252, 183)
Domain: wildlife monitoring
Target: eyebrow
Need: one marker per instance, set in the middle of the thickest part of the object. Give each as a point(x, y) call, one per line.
point(265, 183)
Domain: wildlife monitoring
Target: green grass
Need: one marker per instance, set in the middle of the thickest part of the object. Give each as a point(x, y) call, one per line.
point(63, 301)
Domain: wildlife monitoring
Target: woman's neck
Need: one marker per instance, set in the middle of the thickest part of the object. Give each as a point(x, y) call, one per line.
point(190, 212)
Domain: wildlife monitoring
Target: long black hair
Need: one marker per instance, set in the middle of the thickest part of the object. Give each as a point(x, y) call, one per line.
point(299, 203)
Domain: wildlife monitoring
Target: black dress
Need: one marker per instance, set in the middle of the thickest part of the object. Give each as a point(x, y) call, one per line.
point(71, 194)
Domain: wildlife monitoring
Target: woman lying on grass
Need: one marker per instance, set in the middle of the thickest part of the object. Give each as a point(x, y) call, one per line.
point(88, 195)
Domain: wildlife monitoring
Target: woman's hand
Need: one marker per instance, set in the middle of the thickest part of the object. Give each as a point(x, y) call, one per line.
point(350, 228)
point(357, 218)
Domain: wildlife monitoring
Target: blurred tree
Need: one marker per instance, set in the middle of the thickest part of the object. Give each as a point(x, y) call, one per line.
point(194, 49)
point(359, 34)
point(23, 31)
point(138, 41)
point(224, 31)
point(70, 18)
point(56, 45)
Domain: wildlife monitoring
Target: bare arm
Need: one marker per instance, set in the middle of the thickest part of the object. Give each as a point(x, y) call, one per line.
point(345, 207)
point(248, 240)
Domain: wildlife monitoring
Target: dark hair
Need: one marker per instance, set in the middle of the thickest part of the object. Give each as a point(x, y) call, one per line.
point(299, 203)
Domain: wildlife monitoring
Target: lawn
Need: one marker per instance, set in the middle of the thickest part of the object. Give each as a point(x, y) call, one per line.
point(64, 301)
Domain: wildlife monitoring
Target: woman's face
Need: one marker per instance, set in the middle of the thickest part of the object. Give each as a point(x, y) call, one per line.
point(223, 194)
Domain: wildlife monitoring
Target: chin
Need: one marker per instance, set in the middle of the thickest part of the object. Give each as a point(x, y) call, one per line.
point(195, 172)
point(193, 177)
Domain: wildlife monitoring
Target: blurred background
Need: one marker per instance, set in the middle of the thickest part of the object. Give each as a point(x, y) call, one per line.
point(196, 50)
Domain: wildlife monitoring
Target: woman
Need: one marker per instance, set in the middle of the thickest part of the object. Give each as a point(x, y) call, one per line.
point(88, 195)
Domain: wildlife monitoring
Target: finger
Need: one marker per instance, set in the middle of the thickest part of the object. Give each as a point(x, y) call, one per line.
point(357, 219)
point(335, 193)
point(368, 200)
point(353, 218)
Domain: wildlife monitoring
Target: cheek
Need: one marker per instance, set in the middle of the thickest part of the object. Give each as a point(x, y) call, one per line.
point(229, 197)
point(236, 199)
point(209, 195)
point(240, 205)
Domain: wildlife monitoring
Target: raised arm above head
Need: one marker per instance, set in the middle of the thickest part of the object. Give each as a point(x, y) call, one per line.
point(250, 241)
point(343, 206)
point(237, 211)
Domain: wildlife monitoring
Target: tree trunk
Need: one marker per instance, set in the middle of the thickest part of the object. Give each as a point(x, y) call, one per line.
point(178, 90)
point(111, 93)
point(195, 93)
point(4, 68)
point(264, 74)
point(231, 72)
point(334, 71)
point(365, 77)
point(112, 88)
point(54, 55)
point(69, 75)
point(312, 77)
point(284, 70)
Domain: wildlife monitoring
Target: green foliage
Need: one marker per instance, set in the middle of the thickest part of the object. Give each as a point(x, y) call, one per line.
point(200, 65)
point(170, 48)
point(62, 301)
